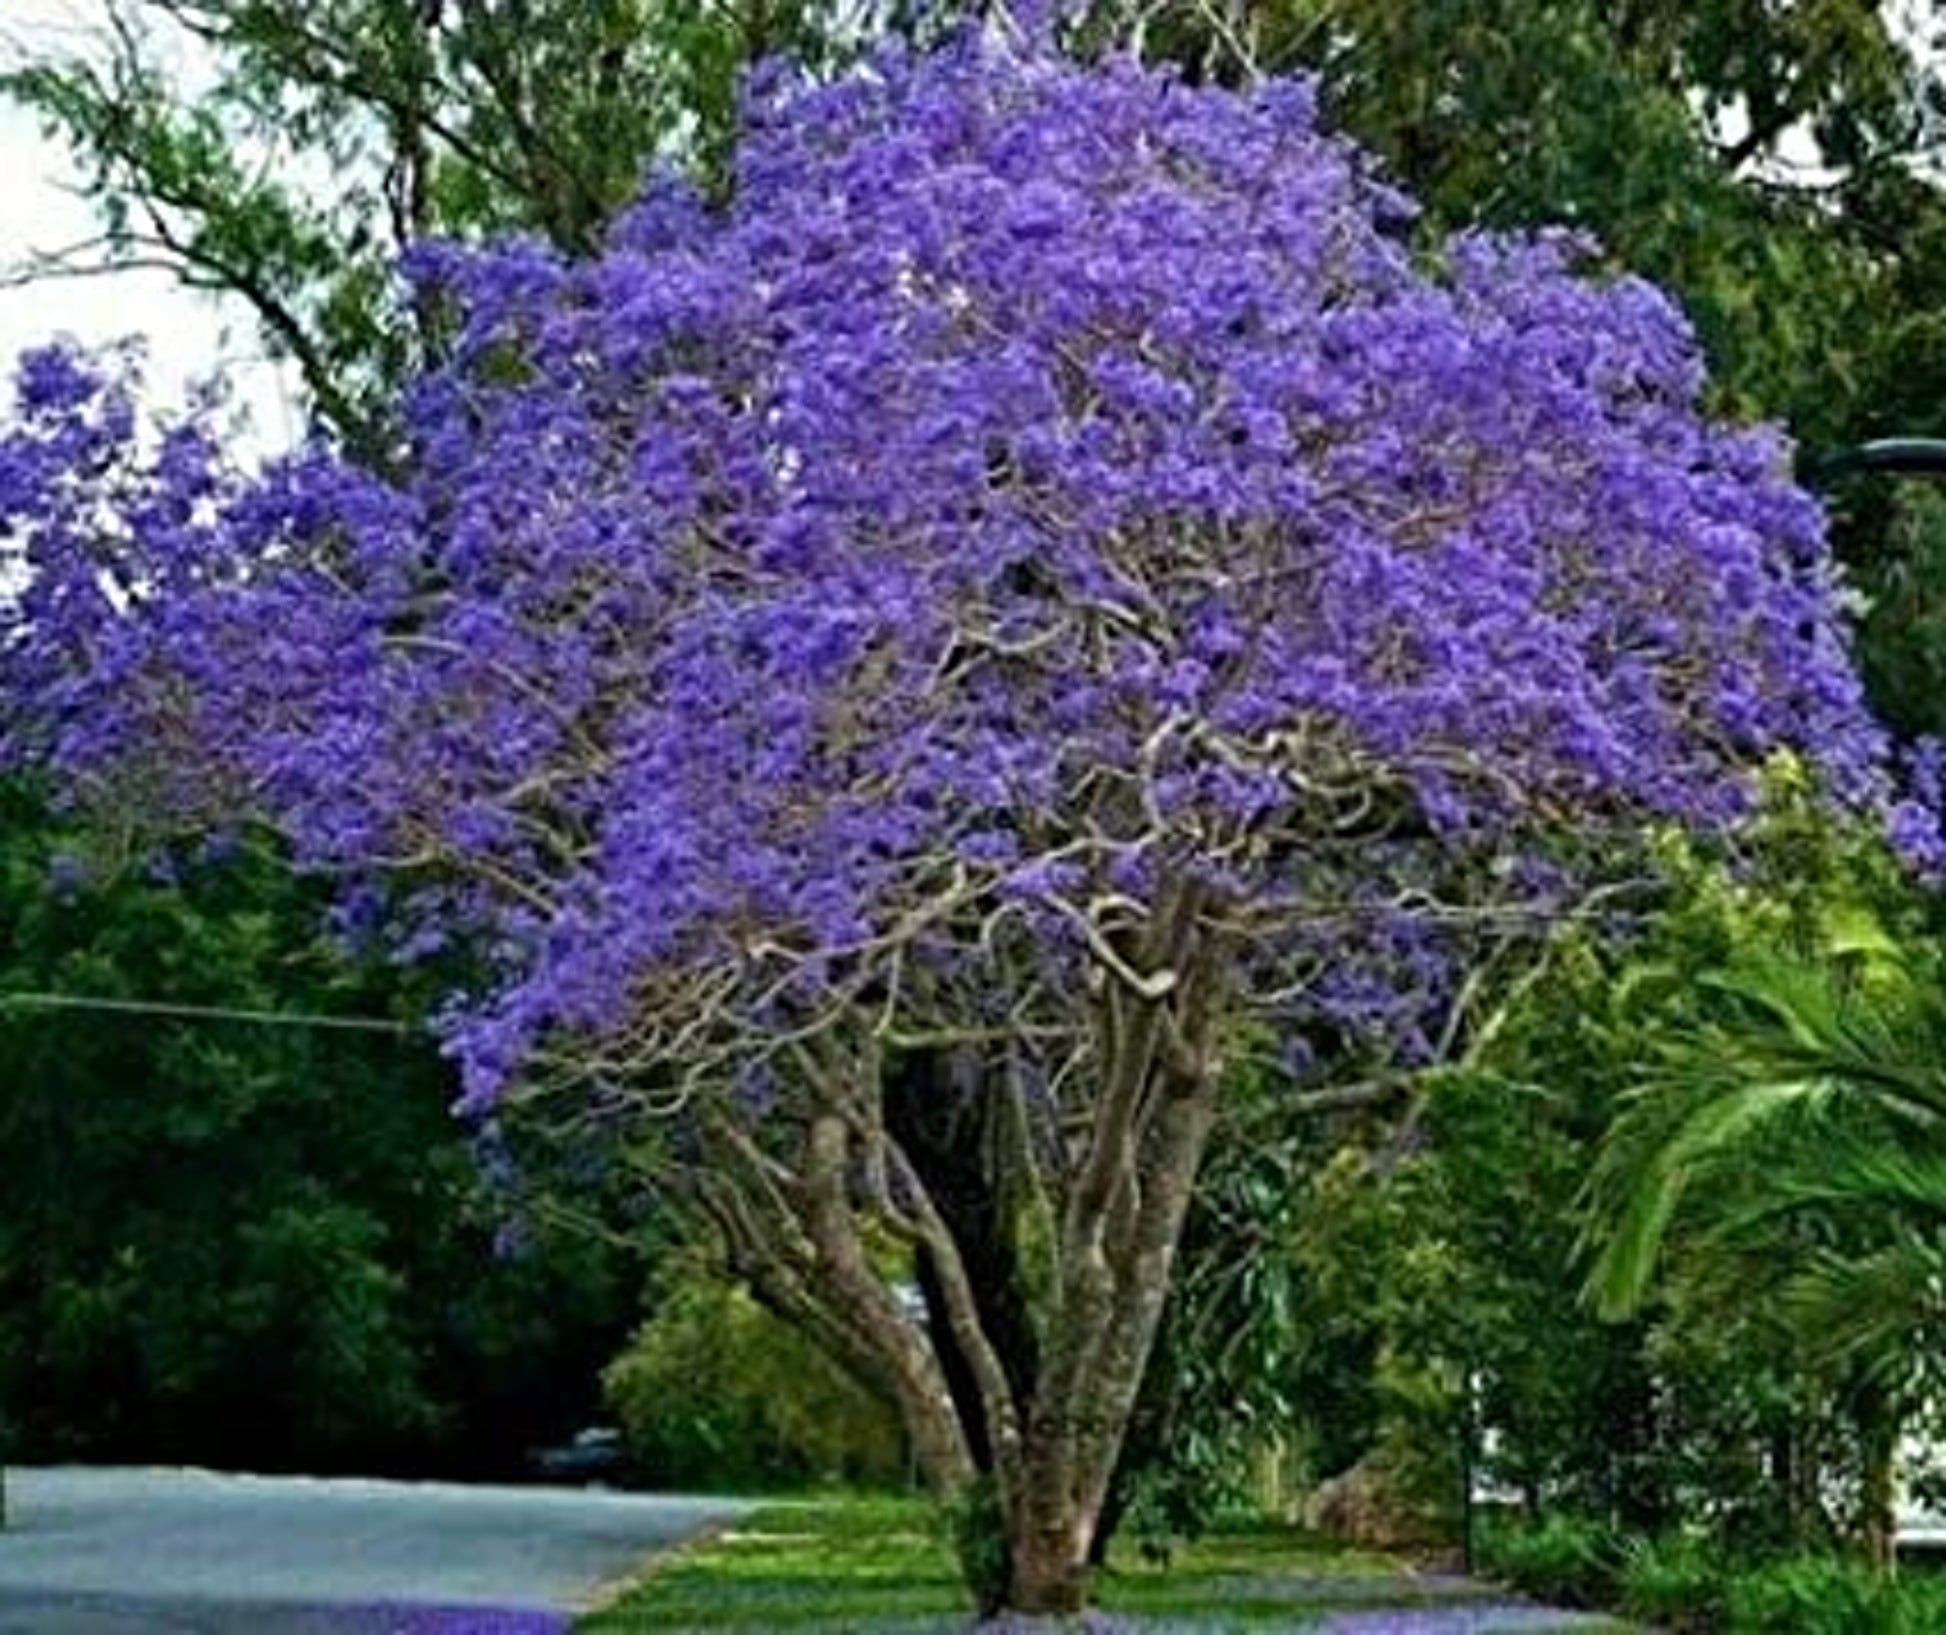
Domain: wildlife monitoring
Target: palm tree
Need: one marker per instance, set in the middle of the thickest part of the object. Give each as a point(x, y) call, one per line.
point(1785, 1161)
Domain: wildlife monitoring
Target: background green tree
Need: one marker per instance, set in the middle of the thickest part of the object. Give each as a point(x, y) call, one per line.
point(1730, 1398)
point(713, 1391)
point(243, 1243)
point(1786, 1166)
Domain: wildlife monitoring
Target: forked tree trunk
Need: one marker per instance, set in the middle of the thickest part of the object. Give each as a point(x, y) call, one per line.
point(948, 1112)
point(1042, 1424)
point(1050, 1461)
point(1051, 1468)
point(1098, 1344)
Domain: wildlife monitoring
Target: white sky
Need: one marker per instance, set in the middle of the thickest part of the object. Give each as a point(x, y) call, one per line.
point(189, 334)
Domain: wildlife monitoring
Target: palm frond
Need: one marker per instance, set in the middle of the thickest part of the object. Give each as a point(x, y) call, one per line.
point(1800, 1087)
point(1876, 1031)
point(1882, 1312)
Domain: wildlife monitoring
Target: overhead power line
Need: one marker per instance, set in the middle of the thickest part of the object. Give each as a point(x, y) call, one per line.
point(203, 1013)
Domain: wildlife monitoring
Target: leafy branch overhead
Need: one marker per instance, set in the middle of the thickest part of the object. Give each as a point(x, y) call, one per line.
point(331, 137)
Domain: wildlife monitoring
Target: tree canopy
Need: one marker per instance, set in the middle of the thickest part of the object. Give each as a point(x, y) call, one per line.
point(1675, 131)
point(1045, 580)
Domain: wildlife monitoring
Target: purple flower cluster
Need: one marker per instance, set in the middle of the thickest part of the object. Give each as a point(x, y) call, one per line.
point(1913, 824)
point(1040, 486)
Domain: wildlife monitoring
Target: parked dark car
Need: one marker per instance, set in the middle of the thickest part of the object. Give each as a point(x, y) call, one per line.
point(592, 1455)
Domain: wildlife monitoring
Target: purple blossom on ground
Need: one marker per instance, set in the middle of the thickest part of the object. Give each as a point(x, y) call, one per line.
point(1040, 487)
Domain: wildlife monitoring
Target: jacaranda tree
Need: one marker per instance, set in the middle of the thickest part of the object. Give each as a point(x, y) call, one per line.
point(1040, 597)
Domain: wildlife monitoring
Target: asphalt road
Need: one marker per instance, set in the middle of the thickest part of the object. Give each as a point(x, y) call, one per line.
point(172, 1552)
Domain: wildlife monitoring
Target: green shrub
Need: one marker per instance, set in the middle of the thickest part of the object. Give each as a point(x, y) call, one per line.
point(715, 1392)
point(1680, 1585)
point(1686, 1586)
point(1565, 1560)
point(1819, 1595)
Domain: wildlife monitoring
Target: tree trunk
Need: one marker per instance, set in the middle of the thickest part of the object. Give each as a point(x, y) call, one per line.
point(1050, 1464)
point(1109, 1309)
point(1049, 1556)
point(803, 1257)
point(1878, 1520)
point(942, 1109)
point(1017, 1386)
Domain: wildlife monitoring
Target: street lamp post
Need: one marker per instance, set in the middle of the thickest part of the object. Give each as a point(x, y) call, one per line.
point(1920, 457)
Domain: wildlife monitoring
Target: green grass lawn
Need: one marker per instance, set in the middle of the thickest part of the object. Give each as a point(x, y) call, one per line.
point(883, 1566)
point(841, 1562)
